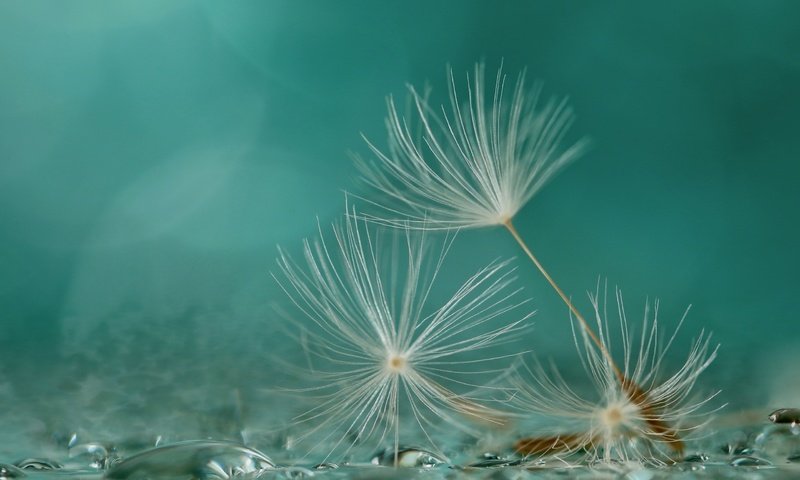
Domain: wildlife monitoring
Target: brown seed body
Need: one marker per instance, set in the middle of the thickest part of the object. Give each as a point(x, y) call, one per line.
point(547, 445)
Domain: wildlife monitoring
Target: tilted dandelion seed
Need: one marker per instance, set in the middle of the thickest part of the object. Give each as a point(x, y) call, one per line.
point(476, 166)
point(640, 416)
point(380, 349)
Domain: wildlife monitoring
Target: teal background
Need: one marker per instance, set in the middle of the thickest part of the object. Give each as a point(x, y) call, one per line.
point(152, 155)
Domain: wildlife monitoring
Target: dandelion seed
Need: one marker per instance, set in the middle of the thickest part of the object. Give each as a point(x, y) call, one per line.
point(381, 351)
point(475, 166)
point(639, 416)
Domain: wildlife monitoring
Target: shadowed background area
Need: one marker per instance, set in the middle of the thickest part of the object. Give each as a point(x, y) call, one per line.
point(152, 155)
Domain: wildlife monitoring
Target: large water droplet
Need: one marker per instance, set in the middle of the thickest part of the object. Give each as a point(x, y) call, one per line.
point(748, 461)
point(201, 459)
point(92, 455)
point(407, 457)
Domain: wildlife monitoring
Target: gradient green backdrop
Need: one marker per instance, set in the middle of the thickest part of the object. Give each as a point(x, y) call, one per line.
point(152, 155)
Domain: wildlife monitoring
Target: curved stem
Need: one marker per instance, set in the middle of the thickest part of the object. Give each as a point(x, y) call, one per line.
point(584, 324)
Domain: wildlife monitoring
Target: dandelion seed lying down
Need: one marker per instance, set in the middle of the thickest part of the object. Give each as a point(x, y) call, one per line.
point(381, 349)
point(642, 417)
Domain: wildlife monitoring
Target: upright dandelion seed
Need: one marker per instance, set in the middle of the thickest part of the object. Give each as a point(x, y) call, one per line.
point(646, 418)
point(381, 351)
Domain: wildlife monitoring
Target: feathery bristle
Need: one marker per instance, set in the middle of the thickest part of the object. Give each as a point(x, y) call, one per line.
point(377, 343)
point(474, 166)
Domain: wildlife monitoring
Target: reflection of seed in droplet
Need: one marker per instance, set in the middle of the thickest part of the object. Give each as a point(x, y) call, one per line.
point(748, 461)
point(794, 458)
point(41, 464)
point(407, 457)
point(197, 459)
point(10, 471)
point(326, 466)
point(785, 415)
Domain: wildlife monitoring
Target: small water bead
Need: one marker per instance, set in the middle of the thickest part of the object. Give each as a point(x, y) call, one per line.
point(326, 466)
point(694, 462)
point(496, 462)
point(407, 457)
point(297, 472)
point(40, 464)
point(10, 471)
point(749, 461)
point(696, 458)
point(738, 447)
point(201, 459)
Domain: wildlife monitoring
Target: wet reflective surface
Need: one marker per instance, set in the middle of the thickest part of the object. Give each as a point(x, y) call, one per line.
point(759, 449)
point(193, 459)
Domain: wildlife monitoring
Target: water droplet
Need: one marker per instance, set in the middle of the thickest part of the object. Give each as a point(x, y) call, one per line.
point(326, 466)
point(407, 457)
point(10, 471)
point(41, 464)
point(496, 462)
point(297, 472)
point(785, 415)
point(777, 441)
point(203, 459)
point(93, 455)
point(748, 461)
point(738, 447)
point(696, 458)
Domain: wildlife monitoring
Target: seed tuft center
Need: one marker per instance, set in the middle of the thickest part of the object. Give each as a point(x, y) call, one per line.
point(397, 363)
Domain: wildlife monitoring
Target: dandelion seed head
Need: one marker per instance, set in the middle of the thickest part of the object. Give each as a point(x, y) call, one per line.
point(638, 414)
point(397, 363)
point(382, 350)
point(473, 163)
point(614, 416)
